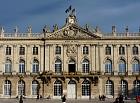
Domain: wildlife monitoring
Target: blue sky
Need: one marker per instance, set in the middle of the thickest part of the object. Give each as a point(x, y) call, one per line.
point(102, 13)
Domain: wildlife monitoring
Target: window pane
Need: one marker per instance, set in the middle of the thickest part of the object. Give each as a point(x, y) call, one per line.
point(57, 88)
point(86, 88)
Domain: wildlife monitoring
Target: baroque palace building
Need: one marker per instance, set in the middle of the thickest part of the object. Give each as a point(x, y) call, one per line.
point(72, 60)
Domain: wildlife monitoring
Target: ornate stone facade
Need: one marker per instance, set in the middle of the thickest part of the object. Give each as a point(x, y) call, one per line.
point(72, 60)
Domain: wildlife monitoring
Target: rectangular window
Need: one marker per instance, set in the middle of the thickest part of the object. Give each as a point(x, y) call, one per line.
point(35, 68)
point(58, 90)
point(58, 50)
point(22, 51)
point(85, 90)
point(35, 50)
point(85, 50)
point(122, 68)
point(7, 89)
point(8, 50)
point(108, 50)
point(135, 50)
point(8, 68)
point(121, 50)
point(34, 89)
point(21, 68)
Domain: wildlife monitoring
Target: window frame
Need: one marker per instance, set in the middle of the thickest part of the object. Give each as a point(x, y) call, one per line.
point(85, 66)
point(85, 50)
point(108, 50)
point(7, 88)
point(86, 88)
point(35, 66)
point(8, 66)
point(58, 88)
point(8, 50)
point(21, 66)
point(21, 50)
point(58, 50)
point(35, 50)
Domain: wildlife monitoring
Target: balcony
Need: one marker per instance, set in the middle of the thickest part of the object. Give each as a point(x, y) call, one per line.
point(34, 73)
point(122, 73)
point(109, 73)
point(135, 73)
point(7, 73)
point(21, 73)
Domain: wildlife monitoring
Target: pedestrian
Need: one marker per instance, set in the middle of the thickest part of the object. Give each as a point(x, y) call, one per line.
point(20, 100)
point(63, 99)
point(99, 97)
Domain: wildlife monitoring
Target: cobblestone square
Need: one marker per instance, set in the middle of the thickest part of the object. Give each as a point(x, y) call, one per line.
point(59, 101)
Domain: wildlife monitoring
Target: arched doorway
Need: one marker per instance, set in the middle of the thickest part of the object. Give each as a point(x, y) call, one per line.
point(71, 89)
point(71, 66)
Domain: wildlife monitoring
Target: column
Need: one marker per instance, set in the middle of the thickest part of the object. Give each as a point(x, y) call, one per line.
point(129, 58)
point(28, 61)
point(1, 59)
point(115, 59)
point(14, 59)
point(47, 57)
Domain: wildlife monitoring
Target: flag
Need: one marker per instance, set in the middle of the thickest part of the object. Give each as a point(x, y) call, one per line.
point(68, 9)
point(73, 10)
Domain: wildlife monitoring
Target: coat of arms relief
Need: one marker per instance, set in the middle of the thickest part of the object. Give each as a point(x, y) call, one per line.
point(71, 50)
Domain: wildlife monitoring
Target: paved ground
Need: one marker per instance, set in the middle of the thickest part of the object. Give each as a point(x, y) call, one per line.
point(59, 101)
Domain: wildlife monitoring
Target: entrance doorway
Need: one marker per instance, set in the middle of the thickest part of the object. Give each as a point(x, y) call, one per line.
point(71, 66)
point(71, 89)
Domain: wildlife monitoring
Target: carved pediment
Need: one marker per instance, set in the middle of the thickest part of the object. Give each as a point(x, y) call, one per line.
point(72, 32)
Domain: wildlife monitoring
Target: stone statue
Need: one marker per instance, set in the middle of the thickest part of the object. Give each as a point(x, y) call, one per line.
point(29, 29)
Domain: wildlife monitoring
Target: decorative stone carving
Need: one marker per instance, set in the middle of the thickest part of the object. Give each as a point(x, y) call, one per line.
point(29, 29)
point(71, 51)
point(71, 32)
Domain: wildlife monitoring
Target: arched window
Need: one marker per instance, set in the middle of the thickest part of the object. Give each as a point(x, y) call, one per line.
point(135, 66)
point(21, 87)
point(108, 50)
point(35, 66)
point(85, 66)
point(109, 87)
point(122, 66)
point(123, 87)
point(86, 88)
point(108, 66)
point(85, 50)
point(135, 50)
point(58, 88)
point(7, 87)
point(136, 84)
point(58, 50)
point(21, 66)
point(8, 66)
point(121, 50)
point(35, 87)
point(58, 66)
